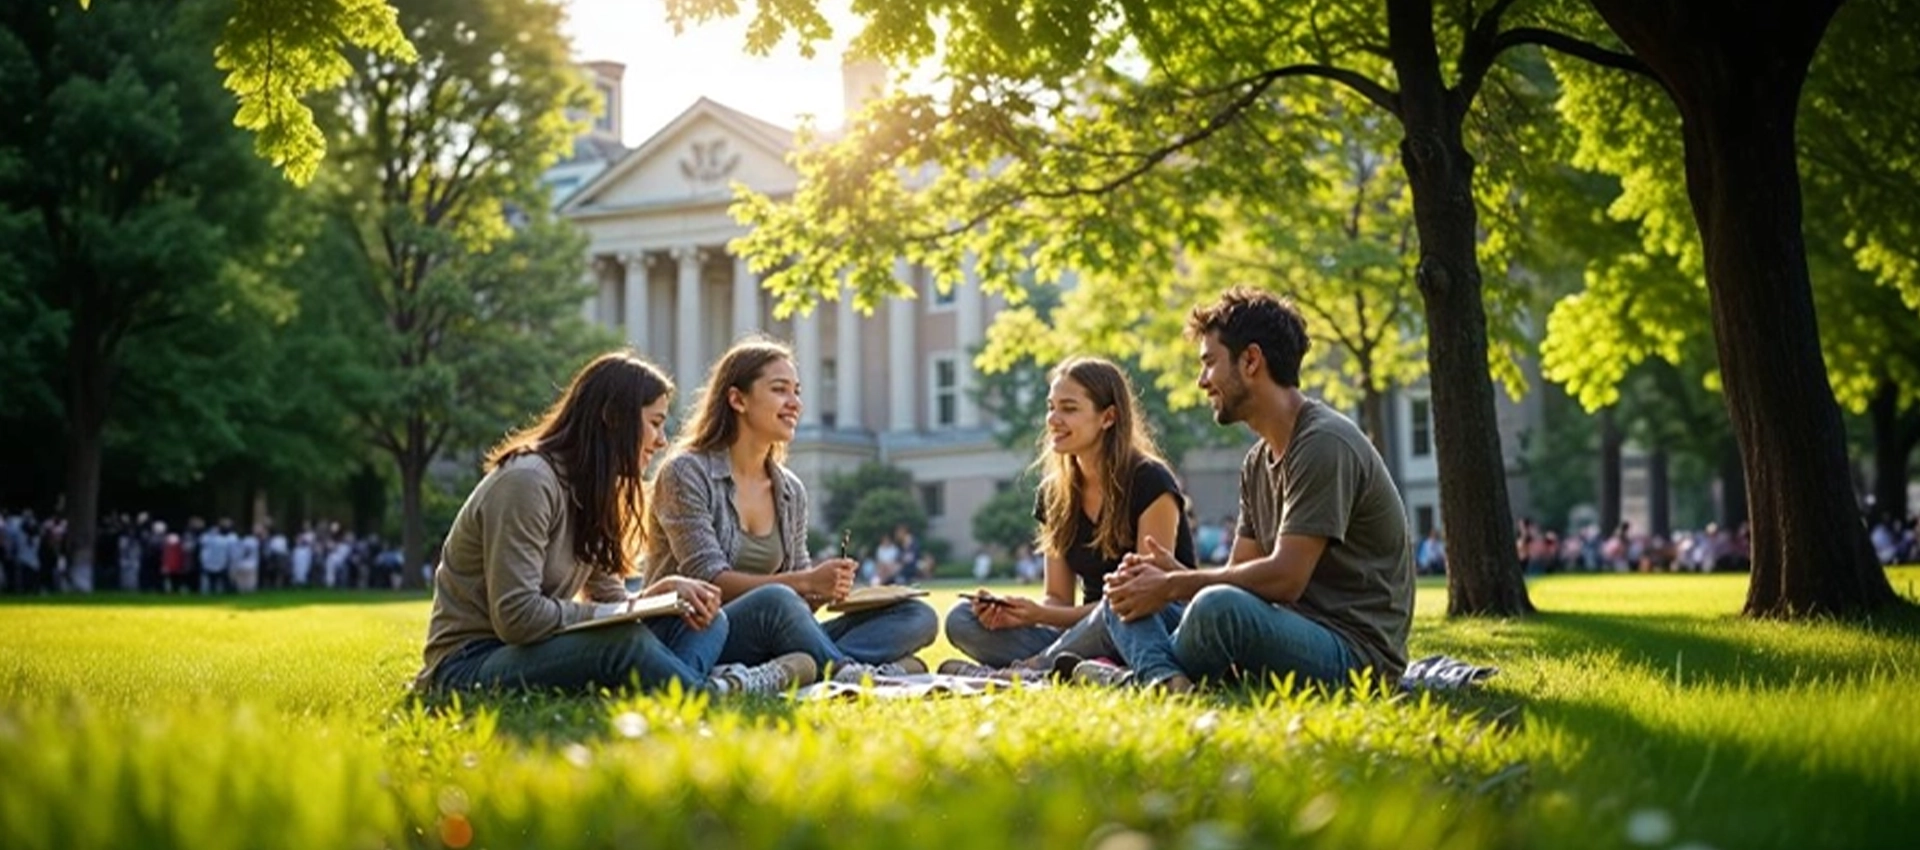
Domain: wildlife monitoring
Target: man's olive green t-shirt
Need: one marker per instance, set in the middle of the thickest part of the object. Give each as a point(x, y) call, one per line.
point(1331, 483)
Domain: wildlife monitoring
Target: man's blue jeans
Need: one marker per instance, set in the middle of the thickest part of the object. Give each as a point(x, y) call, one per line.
point(1229, 633)
point(1006, 647)
point(649, 653)
point(772, 620)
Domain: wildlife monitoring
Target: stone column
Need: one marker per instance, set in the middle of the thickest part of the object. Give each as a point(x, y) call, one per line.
point(746, 299)
point(846, 359)
point(806, 361)
point(638, 291)
point(688, 366)
point(971, 332)
point(590, 306)
point(903, 362)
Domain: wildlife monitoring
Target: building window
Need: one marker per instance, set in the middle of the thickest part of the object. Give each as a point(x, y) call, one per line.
point(937, 301)
point(1423, 519)
point(604, 121)
point(945, 395)
point(829, 393)
point(933, 499)
point(1422, 427)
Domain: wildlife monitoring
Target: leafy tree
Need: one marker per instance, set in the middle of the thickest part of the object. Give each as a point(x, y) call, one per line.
point(846, 489)
point(1103, 137)
point(277, 52)
point(879, 512)
point(1340, 247)
point(1736, 81)
point(1860, 152)
point(1342, 250)
point(1012, 385)
point(1006, 520)
point(471, 286)
point(137, 203)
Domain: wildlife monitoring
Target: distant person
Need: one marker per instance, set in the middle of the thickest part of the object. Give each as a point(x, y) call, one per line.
point(1432, 555)
point(1320, 583)
point(915, 562)
point(726, 509)
point(1104, 492)
point(1026, 565)
point(886, 561)
point(982, 565)
point(547, 539)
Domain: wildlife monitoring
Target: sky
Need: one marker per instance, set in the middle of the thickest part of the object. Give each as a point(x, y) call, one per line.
point(667, 73)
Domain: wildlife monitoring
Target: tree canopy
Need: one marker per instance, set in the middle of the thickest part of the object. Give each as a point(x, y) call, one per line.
point(141, 218)
point(469, 289)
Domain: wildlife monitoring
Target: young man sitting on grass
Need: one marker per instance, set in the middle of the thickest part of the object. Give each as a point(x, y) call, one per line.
point(1320, 581)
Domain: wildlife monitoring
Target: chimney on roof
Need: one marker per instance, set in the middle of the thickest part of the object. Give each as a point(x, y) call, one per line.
point(606, 78)
point(861, 79)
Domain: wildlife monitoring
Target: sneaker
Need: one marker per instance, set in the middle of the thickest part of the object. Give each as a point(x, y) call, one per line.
point(792, 670)
point(855, 672)
point(1103, 674)
point(968, 670)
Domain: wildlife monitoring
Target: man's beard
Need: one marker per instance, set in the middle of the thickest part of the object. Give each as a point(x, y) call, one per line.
point(1232, 399)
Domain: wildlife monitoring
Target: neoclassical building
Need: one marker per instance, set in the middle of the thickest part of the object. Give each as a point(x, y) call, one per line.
point(893, 386)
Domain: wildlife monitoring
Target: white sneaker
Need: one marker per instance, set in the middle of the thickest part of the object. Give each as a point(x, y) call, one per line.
point(792, 670)
point(854, 672)
point(970, 670)
point(1102, 674)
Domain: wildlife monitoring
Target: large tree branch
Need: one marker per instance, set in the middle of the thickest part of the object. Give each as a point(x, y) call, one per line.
point(1477, 51)
point(1249, 91)
point(1574, 47)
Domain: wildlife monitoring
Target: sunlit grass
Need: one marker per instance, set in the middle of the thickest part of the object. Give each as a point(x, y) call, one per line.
point(1637, 711)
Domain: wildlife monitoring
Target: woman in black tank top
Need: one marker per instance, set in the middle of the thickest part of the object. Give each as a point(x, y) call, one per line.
point(1104, 490)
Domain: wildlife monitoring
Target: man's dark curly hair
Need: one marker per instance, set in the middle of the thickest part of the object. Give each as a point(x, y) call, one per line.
point(1244, 316)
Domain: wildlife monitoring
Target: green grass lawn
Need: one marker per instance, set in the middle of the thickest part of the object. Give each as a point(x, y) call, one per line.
point(1638, 712)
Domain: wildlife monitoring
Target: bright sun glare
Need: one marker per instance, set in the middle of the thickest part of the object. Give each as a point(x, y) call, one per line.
point(667, 73)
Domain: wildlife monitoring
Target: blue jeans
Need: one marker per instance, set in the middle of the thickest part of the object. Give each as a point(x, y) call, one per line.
point(1006, 647)
point(649, 653)
point(772, 620)
point(1228, 632)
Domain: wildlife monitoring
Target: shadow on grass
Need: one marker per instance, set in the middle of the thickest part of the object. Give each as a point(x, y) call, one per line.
point(554, 717)
point(1722, 651)
point(265, 600)
point(1716, 789)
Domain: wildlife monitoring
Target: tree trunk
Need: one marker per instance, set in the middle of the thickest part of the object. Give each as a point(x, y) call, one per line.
point(1736, 76)
point(1373, 417)
point(413, 521)
point(1483, 571)
point(1733, 487)
point(1894, 436)
point(1611, 440)
point(87, 380)
point(1659, 501)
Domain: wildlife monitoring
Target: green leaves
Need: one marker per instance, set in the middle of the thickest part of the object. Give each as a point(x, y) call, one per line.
point(276, 52)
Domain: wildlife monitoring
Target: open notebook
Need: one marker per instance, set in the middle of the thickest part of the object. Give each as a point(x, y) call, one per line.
point(646, 607)
point(869, 598)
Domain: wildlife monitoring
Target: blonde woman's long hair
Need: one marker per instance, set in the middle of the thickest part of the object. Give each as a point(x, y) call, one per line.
point(593, 433)
point(716, 425)
point(1123, 448)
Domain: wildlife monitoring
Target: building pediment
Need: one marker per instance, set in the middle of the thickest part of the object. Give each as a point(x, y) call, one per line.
point(693, 160)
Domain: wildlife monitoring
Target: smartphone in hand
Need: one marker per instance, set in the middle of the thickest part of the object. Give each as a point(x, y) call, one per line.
point(983, 598)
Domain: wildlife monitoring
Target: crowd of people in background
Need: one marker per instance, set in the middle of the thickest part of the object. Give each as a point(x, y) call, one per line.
point(1712, 549)
point(140, 553)
point(136, 552)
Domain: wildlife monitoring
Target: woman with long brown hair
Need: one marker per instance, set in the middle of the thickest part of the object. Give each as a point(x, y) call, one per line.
point(726, 509)
point(1104, 492)
point(547, 539)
